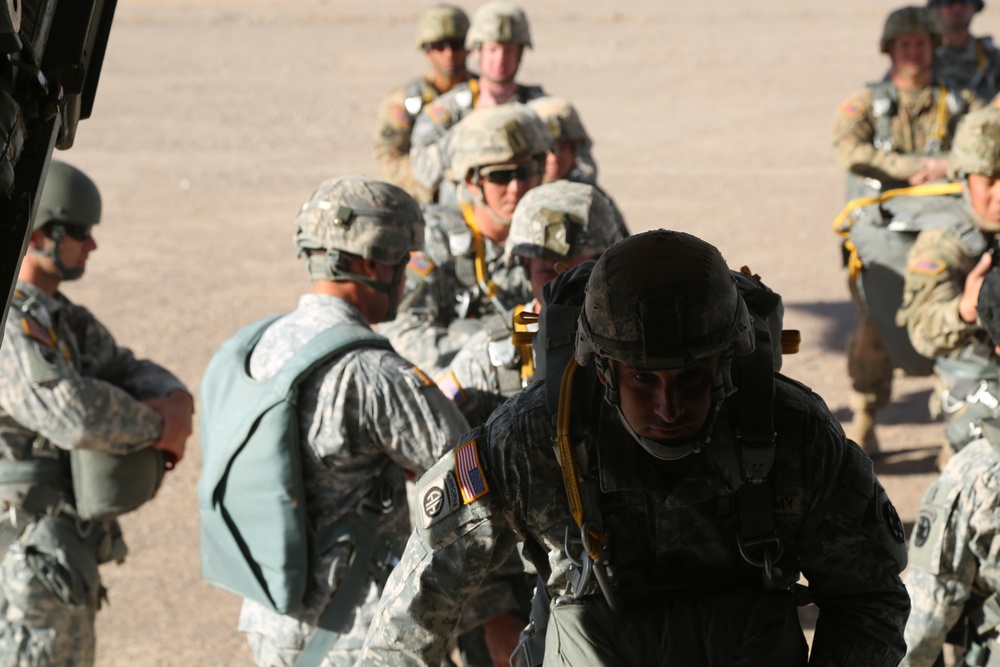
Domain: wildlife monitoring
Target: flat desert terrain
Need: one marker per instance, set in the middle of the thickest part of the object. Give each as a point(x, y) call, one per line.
point(215, 120)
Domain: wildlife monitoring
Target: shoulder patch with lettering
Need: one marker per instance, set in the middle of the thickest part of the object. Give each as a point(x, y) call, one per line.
point(438, 113)
point(471, 479)
point(849, 108)
point(930, 267)
point(420, 264)
point(449, 386)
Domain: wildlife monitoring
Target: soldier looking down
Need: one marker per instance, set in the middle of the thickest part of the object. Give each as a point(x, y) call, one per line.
point(688, 487)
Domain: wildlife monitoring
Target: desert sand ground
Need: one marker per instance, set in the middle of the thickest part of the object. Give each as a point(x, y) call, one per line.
point(214, 121)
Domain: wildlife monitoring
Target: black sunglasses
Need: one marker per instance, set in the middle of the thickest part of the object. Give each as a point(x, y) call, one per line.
point(78, 232)
point(505, 173)
point(441, 45)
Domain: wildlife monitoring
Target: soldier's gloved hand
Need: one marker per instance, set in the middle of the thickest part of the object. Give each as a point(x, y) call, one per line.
point(176, 409)
point(973, 283)
point(934, 170)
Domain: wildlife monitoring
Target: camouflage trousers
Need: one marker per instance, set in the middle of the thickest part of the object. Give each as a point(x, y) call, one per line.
point(277, 640)
point(680, 628)
point(868, 363)
point(49, 596)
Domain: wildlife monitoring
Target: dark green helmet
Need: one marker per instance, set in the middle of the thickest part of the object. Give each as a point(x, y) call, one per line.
point(909, 21)
point(68, 196)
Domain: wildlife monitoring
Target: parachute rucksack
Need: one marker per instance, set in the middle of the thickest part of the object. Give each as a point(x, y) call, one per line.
point(251, 500)
point(879, 232)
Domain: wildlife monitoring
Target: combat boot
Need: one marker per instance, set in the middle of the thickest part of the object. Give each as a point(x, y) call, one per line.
point(862, 427)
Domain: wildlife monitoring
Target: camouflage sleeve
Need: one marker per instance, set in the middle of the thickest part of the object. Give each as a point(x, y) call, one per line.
point(853, 140)
point(470, 380)
point(851, 549)
point(413, 420)
point(462, 534)
point(391, 144)
point(429, 144)
point(105, 360)
point(937, 266)
point(46, 394)
point(952, 549)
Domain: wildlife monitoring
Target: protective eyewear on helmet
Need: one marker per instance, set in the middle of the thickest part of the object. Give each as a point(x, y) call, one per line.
point(78, 232)
point(505, 173)
point(441, 45)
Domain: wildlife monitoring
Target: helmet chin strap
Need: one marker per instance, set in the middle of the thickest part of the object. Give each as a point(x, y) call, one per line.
point(330, 266)
point(57, 233)
point(981, 222)
point(481, 200)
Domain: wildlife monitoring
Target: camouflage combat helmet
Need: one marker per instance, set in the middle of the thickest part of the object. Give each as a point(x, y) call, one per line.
point(501, 22)
point(442, 23)
point(356, 215)
point(561, 118)
point(976, 148)
point(70, 204)
point(563, 220)
point(497, 135)
point(978, 4)
point(908, 21)
point(662, 300)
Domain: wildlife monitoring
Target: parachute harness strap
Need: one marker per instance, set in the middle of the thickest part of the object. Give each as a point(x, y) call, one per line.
point(845, 219)
point(522, 338)
point(941, 126)
point(479, 245)
point(592, 560)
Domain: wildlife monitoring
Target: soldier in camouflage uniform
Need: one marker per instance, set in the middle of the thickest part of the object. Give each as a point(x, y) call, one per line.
point(945, 267)
point(499, 33)
point(441, 36)
point(555, 227)
point(570, 140)
point(891, 134)
point(368, 416)
point(67, 387)
point(954, 571)
point(461, 276)
point(964, 61)
point(650, 480)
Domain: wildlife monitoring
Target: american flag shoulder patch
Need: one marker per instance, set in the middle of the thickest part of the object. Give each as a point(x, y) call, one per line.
point(38, 332)
point(420, 264)
point(930, 267)
point(449, 386)
point(471, 480)
point(438, 113)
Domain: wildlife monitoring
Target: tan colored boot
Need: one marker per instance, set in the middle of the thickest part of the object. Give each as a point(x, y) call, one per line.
point(862, 431)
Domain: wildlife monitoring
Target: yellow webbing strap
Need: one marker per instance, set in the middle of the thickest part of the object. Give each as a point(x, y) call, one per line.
point(981, 61)
point(568, 465)
point(843, 222)
point(941, 129)
point(474, 89)
point(522, 337)
point(482, 278)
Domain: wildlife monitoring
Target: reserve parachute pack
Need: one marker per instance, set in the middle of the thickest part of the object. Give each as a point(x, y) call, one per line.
point(878, 233)
point(251, 497)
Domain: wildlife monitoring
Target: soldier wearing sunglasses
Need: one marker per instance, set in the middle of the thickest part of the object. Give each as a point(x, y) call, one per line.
point(441, 37)
point(497, 155)
point(964, 61)
point(71, 399)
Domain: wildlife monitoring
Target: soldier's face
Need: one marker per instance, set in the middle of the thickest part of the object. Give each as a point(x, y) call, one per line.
point(498, 62)
point(543, 271)
point(447, 57)
point(956, 15)
point(984, 193)
point(912, 52)
point(666, 405)
point(503, 185)
point(559, 162)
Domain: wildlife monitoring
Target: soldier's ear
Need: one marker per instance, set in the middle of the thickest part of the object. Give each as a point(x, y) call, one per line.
point(37, 239)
